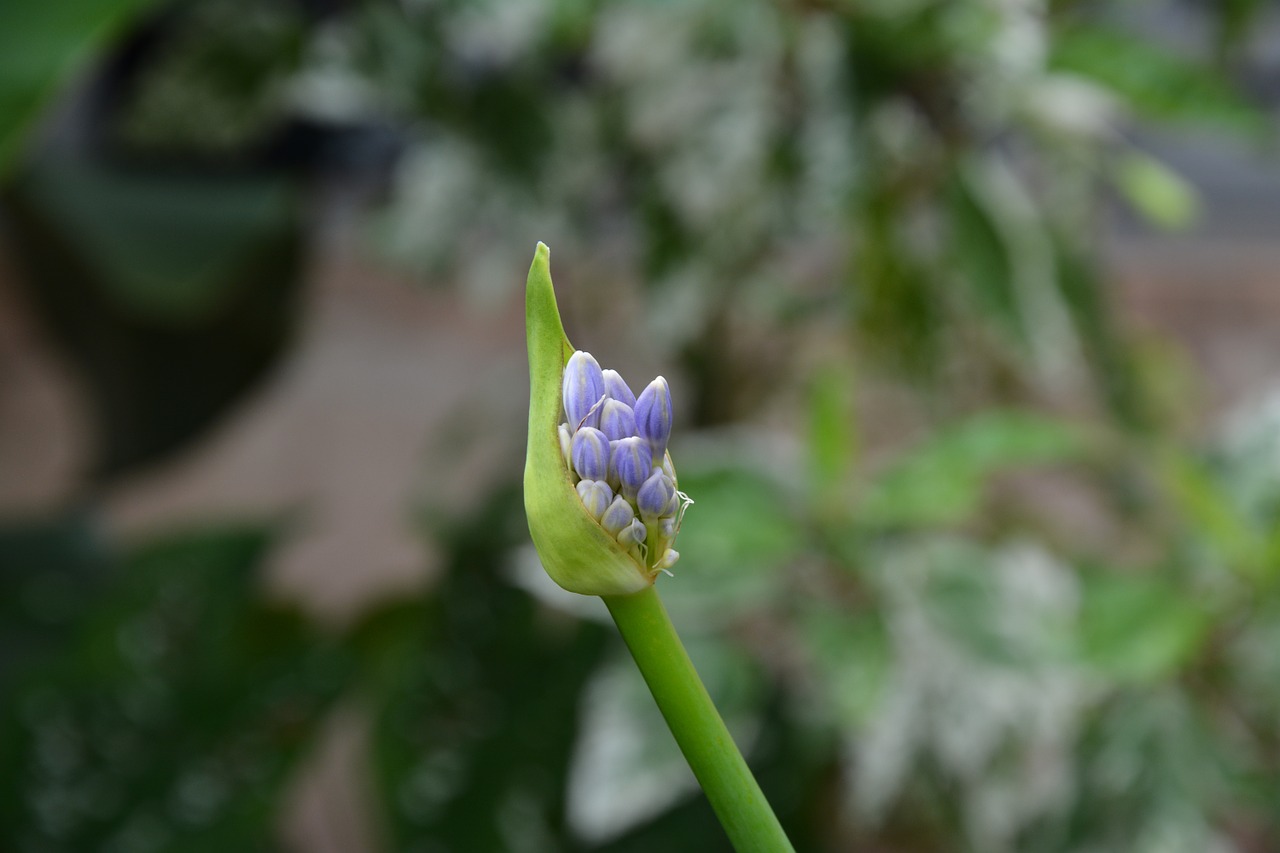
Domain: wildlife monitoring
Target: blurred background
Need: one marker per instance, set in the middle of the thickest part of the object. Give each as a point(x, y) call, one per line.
point(971, 310)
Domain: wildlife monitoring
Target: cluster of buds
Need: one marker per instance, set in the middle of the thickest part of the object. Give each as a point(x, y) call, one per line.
point(615, 449)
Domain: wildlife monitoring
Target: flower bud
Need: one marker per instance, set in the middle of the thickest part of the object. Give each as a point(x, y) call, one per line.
point(630, 463)
point(582, 390)
point(668, 560)
point(616, 387)
point(617, 420)
point(633, 533)
point(589, 451)
point(656, 497)
point(653, 416)
point(566, 443)
point(596, 496)
point(618, 516)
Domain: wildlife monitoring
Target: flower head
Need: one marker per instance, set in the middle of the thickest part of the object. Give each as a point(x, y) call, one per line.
point(600, 487)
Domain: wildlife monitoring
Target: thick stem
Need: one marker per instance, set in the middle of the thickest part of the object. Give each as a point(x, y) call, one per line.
point(716, 762)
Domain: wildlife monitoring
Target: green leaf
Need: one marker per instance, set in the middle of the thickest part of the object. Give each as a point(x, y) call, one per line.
point(177, 712)
point(735, 539)
point(982, 256)
point(1157, 192)
point(1137, 628)
point(575, 550)
point(41, 45)
point(941, 481)
point(1156, 82)
point(832, 429)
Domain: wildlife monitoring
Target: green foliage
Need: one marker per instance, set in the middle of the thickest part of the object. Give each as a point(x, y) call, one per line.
point(940, 482)
point(171, 718)
point(41, 45)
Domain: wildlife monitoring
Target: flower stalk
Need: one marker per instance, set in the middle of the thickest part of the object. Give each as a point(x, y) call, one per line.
point(604, 509)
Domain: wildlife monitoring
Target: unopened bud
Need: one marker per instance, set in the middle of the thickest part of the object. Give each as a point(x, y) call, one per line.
point(653, 416)
point(656, 497)
point(633, 533)
point(616, 387)
point(617, 420)
point(582, 390)
point(566, 444)
point(630, 463)
point(596, 496)
point(618, 516)
point(590, 453)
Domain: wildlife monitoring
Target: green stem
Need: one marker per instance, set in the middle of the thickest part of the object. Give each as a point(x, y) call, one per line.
point(716, 762)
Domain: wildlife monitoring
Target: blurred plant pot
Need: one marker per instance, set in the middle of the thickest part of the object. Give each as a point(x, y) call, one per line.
point(169, 292)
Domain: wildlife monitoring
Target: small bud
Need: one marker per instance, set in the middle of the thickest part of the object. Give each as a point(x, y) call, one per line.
point(630, 463)
point(668, 559)
point(653, 416)
point(617, 388)
point(633, 533)
point(617, 420)
point(590, 453)
point(618, 516)
point(566, 443)
point(596, 496)
point(656, 497)
point(583, 388)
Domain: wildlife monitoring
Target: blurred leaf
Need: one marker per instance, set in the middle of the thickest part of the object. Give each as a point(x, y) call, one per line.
point(941, 481)
point(982, 256)
point(1137, 628)
point(1157, 192)
point(733, 544)
point(1157, 82)
point(852, 656)
point(1210, 511)
point(174, 718)
point(832, 430)
point(41, 45)
point(1084, 294)
point(475, 694)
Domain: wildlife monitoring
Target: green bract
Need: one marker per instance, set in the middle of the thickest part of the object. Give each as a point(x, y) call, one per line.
point(575, 550)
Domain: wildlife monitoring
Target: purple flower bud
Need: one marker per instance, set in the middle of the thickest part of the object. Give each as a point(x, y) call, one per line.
point(633, 533)
point(617, 420)
point(596, 496)
point(618, 389)
point(656, 497)
point(630, 463)
point(653, 416)
point(590, 454)
point(668, 559)
point(618, 516)
point(583, 388)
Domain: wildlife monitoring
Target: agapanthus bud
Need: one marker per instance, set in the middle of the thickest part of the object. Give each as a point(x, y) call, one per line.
point(633, 533)
point(566, 445)
point(589, 451)
point(618, 516)
point(668, 560)
point(617, 420)
point(653, 416)
point(582, 391)
point(656, 497)
point(596, 496)
point(630, 462)
point(616, 387)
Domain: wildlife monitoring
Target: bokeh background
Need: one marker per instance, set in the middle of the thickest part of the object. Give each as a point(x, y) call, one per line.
point(971, 310)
